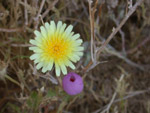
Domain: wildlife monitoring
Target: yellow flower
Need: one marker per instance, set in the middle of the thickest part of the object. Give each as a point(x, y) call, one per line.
point(56, 45)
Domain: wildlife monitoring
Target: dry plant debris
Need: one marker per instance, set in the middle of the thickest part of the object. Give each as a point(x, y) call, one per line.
point(115, 66)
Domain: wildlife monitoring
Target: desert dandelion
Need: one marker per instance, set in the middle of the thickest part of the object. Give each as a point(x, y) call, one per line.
point(56, 45)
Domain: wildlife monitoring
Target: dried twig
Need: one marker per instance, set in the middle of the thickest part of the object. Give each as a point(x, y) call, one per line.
point(130, 4)
point(38, 14)
point(48, 76)
point(93, 65)
point(122, 36)
point(41, 7)
point(11, 30)
point(21, 45)
point(76, 20)
point(135, 93)
point(49, 8)
point(92, 29)
point(113, 97)
point(25, 12)
point(113, 52)
point(139, 45)
point(131, 11)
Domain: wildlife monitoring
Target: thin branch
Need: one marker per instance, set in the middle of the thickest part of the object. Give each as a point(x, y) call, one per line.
point(92, 29)
point(113, 97)
point(48, 76)
point(39, 13)
point(131, 11)
point(25, 12)
point(76, 20)
point(122, 36)
point(11, 30)
point(113, 52)
point(130, 4)
point(136, 93)
point(49, 8)
point(21, 45)
point(41, 7)
point(139, 45)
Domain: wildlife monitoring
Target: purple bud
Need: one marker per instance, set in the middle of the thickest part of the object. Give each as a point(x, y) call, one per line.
point(72, 83)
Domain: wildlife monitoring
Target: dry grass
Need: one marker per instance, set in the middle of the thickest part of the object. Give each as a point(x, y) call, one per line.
point(115, 66)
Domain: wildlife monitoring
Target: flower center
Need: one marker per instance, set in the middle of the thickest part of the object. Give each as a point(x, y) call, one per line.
point(72, 78)
point(56, 49)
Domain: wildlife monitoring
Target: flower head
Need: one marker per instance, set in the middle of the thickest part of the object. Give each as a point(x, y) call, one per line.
point(56, 45)
point(72, 83)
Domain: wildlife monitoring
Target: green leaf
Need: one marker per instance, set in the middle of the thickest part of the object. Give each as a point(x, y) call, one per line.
point(14, 107)
point(34, 101)
point(51, 93)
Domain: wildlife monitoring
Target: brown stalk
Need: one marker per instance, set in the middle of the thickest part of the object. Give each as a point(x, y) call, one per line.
point(92, 13)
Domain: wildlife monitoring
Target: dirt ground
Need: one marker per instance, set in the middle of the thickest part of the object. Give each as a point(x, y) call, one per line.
point(117, 80)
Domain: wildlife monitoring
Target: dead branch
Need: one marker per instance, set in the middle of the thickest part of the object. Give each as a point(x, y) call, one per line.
point(25, 12)
point(115, 30)
point(92, 29)
point(11, 30)
point(49, 8)
point(38, 14)
point(139, 45)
